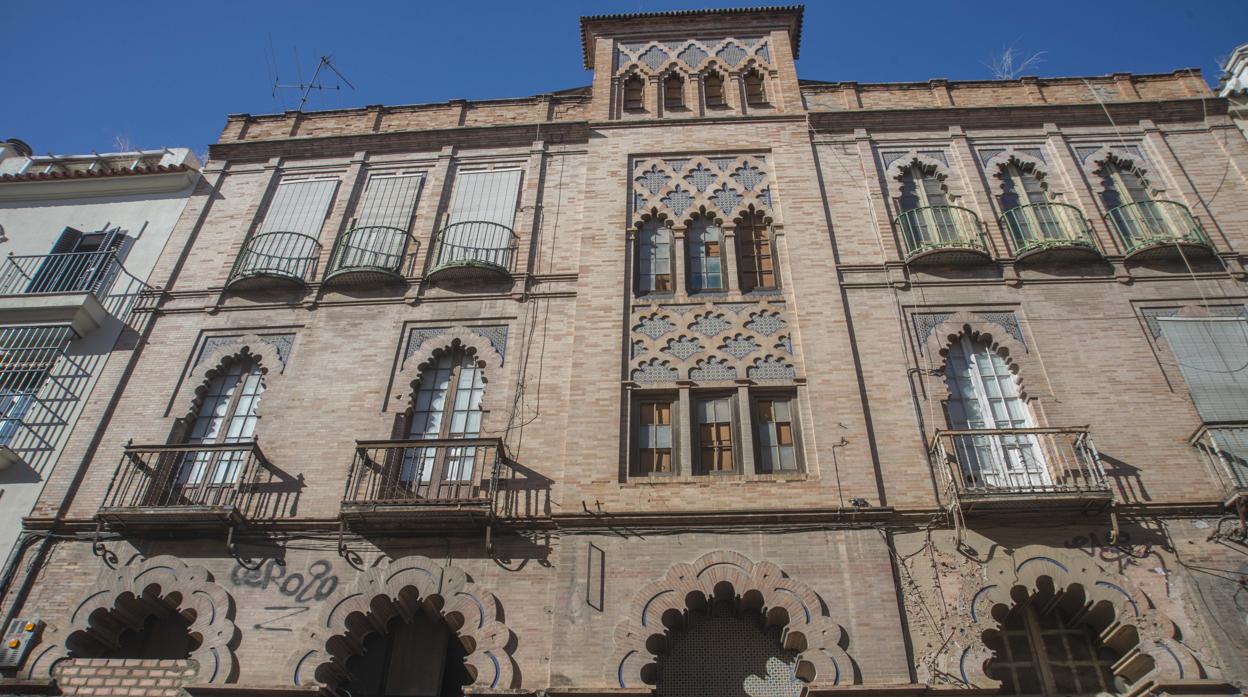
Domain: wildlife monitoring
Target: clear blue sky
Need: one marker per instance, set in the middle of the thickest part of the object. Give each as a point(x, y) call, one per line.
point(79, 74)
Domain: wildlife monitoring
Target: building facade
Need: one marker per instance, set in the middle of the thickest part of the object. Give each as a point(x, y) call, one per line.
point(699, 380)
point(81, 234)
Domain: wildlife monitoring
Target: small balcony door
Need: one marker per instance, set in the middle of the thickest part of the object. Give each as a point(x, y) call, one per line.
point(984, 396)
point(79, 262)
point(931, 222)
point(447, 405)
point(226, 415)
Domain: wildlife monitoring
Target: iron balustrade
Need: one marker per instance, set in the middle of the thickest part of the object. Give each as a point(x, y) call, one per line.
point(932, 228)
point(1153, 223)
point(1039, 226)
point(1019, 462)
point(371, 248)
point(70, 272)
point(474, 243)
point(433, 471)
point(216, 475)
point(286, 255)
point(1225, 447)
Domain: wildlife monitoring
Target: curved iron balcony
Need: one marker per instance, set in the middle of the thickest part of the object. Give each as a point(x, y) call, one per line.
point(285, 257)
point(473, 248)
point(942, 234)
point(369, 253)
point(1225, 446)
point(1049, 230)
point(1157, 229)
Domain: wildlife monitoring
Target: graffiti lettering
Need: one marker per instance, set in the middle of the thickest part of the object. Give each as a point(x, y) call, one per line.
point(316, 584)
point(291, 611)
point(1122, 552)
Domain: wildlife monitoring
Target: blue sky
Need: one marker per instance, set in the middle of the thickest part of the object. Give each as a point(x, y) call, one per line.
point(80, 74)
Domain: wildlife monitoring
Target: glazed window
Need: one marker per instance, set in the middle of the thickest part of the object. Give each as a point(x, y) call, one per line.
point(706, 243)
point(634, 93)
point(655, 439)
point(446, 405)
point(713, 85)
point(1122, 185)
point(673, 92)
point(1023, 200)
point(755, 92)
point(713, 417)
point(775, 425)
point(1041, 651)
point(227, 414)
point(756, 252)
point(654, 258)
point(923, 195)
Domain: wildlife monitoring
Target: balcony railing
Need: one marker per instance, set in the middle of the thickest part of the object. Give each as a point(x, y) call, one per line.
point(1044, 227)
point(476, 245)
point(74, 272)
point(283, 256)
point(371, 251)
point(169, 484)
point(1058, 464)
point(405, 476)
point(1225, 446)
point(1149, 225)
point(948, 232)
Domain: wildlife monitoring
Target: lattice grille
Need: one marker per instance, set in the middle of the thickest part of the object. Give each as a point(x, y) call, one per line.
point(727, 657)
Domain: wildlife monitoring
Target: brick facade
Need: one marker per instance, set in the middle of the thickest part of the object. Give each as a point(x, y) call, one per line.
point(576, 577)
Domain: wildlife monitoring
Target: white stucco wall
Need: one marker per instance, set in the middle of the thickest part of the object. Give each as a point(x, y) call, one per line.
point(32, 217)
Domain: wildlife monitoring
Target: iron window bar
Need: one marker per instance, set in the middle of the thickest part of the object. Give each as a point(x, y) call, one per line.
point(1041, 226)
point(1146, 224)
point(933, 228)
point(1019, 461)
point(480, 244)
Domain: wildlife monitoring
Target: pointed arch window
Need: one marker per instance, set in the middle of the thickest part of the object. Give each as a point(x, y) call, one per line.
point(1024, 201)
point(756, 251)
point(713, 89)
point(706, 256)
point(634, 93)
point(654, 258)
point(673, 92)
point(446, 405)
point(1125, 195)
point(923, 193)
point(227, 414)
point(755, 88)
point(983, 396)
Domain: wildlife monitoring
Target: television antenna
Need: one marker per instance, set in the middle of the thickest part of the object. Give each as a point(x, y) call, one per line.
point(305, 88)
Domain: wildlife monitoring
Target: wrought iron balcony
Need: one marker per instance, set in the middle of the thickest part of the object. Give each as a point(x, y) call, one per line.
point(423, 482)
point(284, 257)
point(196, 484)
point(370, 254)
point(942, 234)
point(1225, 447)
point(990, 468)
point(1158, 229)
point(69, 287)
point(473, 248)
point(1051, 231)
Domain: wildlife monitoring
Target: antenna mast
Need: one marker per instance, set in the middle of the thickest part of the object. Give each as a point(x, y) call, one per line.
point(305, 89)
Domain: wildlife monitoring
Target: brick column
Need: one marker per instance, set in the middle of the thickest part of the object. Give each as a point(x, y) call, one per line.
point(427, 215)
point(878, 195)
point(746, 439)
point(528, 217)
point(678, 263)
point(728, 254)
point(349, 189)
point(976, 189)
point(1156, 141)
point(684, 430)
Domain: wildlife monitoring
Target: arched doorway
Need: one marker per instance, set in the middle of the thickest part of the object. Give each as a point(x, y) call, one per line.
point(148, 626)
point(417, 657)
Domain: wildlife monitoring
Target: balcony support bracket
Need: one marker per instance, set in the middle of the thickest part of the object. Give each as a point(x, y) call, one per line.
point(353, 558)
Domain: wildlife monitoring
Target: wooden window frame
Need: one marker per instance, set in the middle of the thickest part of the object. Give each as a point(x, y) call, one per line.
point(627, 101)
point(672, 400)
point(691, 234)
point(638, 290)
point(734, 424)
point(747, 254)
point(756, 422)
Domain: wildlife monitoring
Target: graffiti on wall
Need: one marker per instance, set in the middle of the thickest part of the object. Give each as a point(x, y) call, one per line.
point(301, 589)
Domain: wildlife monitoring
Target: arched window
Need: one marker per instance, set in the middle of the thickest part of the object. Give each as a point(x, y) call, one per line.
point(756, 253)
point(1023, 200)
point(634, 93)
point(926, 217)
point(421, 657)
point(1041, 650)
point(673, 92)
point(227, 414)
point(149, 627)
point(654, 258)
point(983, 396)
point(755, 92)
point(705, 242)
point(1125, 195)
point(713, 88)
point(447, 405)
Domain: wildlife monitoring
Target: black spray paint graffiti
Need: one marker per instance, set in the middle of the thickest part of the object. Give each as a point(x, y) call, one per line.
point(314, 585)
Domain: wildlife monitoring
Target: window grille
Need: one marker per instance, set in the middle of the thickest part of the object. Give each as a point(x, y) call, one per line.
point(389, 200)
point(1213, 357)
point(27, 355)
point(299, 206)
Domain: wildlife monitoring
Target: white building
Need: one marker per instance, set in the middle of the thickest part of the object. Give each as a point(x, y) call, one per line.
point(79, 236)
point(1234, 85)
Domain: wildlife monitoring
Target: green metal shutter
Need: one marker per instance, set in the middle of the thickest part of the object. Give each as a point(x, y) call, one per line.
point(1213, 356)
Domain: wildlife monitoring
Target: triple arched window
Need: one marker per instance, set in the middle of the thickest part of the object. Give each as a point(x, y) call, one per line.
point(706, 250)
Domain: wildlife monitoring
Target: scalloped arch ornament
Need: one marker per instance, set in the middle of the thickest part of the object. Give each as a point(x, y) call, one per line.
point(965, 656)
point(212, 604)
point(783, 600)
point(406, 585)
